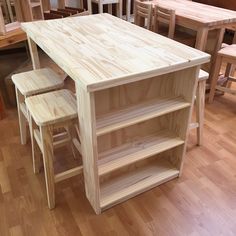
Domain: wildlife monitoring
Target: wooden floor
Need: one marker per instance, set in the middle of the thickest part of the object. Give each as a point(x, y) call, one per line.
point(201, 202)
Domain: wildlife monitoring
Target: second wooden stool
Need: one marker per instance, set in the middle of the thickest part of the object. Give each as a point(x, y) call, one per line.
point(48, 112)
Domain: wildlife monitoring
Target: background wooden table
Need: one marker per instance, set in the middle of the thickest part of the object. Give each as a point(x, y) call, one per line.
point(201, 18)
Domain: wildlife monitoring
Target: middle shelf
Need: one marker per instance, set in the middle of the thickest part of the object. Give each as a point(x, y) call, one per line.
point(136, 150)
point(133, 114)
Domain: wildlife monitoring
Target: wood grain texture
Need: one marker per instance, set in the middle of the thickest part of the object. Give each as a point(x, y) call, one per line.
point(37, 81)
point(198, 14)
point(52, 107)
point(97, 60)
point(201, 202)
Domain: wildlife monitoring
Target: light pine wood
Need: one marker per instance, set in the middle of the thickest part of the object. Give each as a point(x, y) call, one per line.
point(227, 55)
point(37, 81)
point(134, 182)
point(31, 83)
point(166, 16)
point(140, 63)
point(200, 106)
point(142, 14)
point(34, 54)
point(52, 107)
point(134, 114)
point(177, 207)
point(136, 150)
point(125, 77)
point(50, 111)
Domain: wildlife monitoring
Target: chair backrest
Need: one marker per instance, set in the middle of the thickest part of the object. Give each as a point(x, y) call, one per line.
point(166, 16)
point(2, 23)
point(142, 12)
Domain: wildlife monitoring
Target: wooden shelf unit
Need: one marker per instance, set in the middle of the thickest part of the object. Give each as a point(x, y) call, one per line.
point(139, 135)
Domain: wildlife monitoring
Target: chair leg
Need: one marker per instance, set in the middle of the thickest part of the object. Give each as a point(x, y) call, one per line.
point(47, 146)
point(22, 119)
point(215, 78)
point(36, 153)
point(100, 7)
point(200, 107)
point(119, 9)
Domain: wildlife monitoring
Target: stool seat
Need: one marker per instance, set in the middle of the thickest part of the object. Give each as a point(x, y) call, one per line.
point(228, 52)
point(37, 81)
point(53, 107)
point(203, 75)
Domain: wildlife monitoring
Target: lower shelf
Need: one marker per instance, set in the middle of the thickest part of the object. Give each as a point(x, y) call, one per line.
point(127, 185)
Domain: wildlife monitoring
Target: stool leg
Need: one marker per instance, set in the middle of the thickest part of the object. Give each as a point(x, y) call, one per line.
point(72, 135)
point(22, 119)
point(200, 107)
point(47, 146)
point(215, 78)
point(36, 154)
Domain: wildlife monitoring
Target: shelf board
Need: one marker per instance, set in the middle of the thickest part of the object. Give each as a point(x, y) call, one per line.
point(131, 115)
point(134, 182)
point(136, 150)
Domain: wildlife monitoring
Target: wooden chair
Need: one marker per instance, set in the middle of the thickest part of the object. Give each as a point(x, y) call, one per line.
point(165, 16)
point(31, 83)
point(228, 56)
point(50, 111)
point(142, 13)
point(200, 106)
point(164, 23)
point(32, 10)
point(101, 3)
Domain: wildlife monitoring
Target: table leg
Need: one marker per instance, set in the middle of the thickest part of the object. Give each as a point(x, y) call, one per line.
point(219, 40)
point(34, 54)
point(201, 39)
point(215, 74)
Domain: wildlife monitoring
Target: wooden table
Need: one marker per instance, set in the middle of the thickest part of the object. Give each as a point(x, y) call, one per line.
point(202, 18)
point(133, 87)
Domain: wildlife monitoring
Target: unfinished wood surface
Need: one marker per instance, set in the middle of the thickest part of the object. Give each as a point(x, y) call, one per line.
point(99, 60)
point(136, 150)
point(165, 16)
point(87, 127)
point(52, 107)
point(133, 182)
point(228, 56)
point(143, 14)
point(177, 207)
point(37, 81)
point(2, 23)
point(138, 113)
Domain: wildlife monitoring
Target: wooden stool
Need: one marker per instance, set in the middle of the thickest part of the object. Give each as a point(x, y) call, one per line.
point(31, 83)
point(228, 55)
point(200, 106)
point(109, 3)
point(47, 112)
